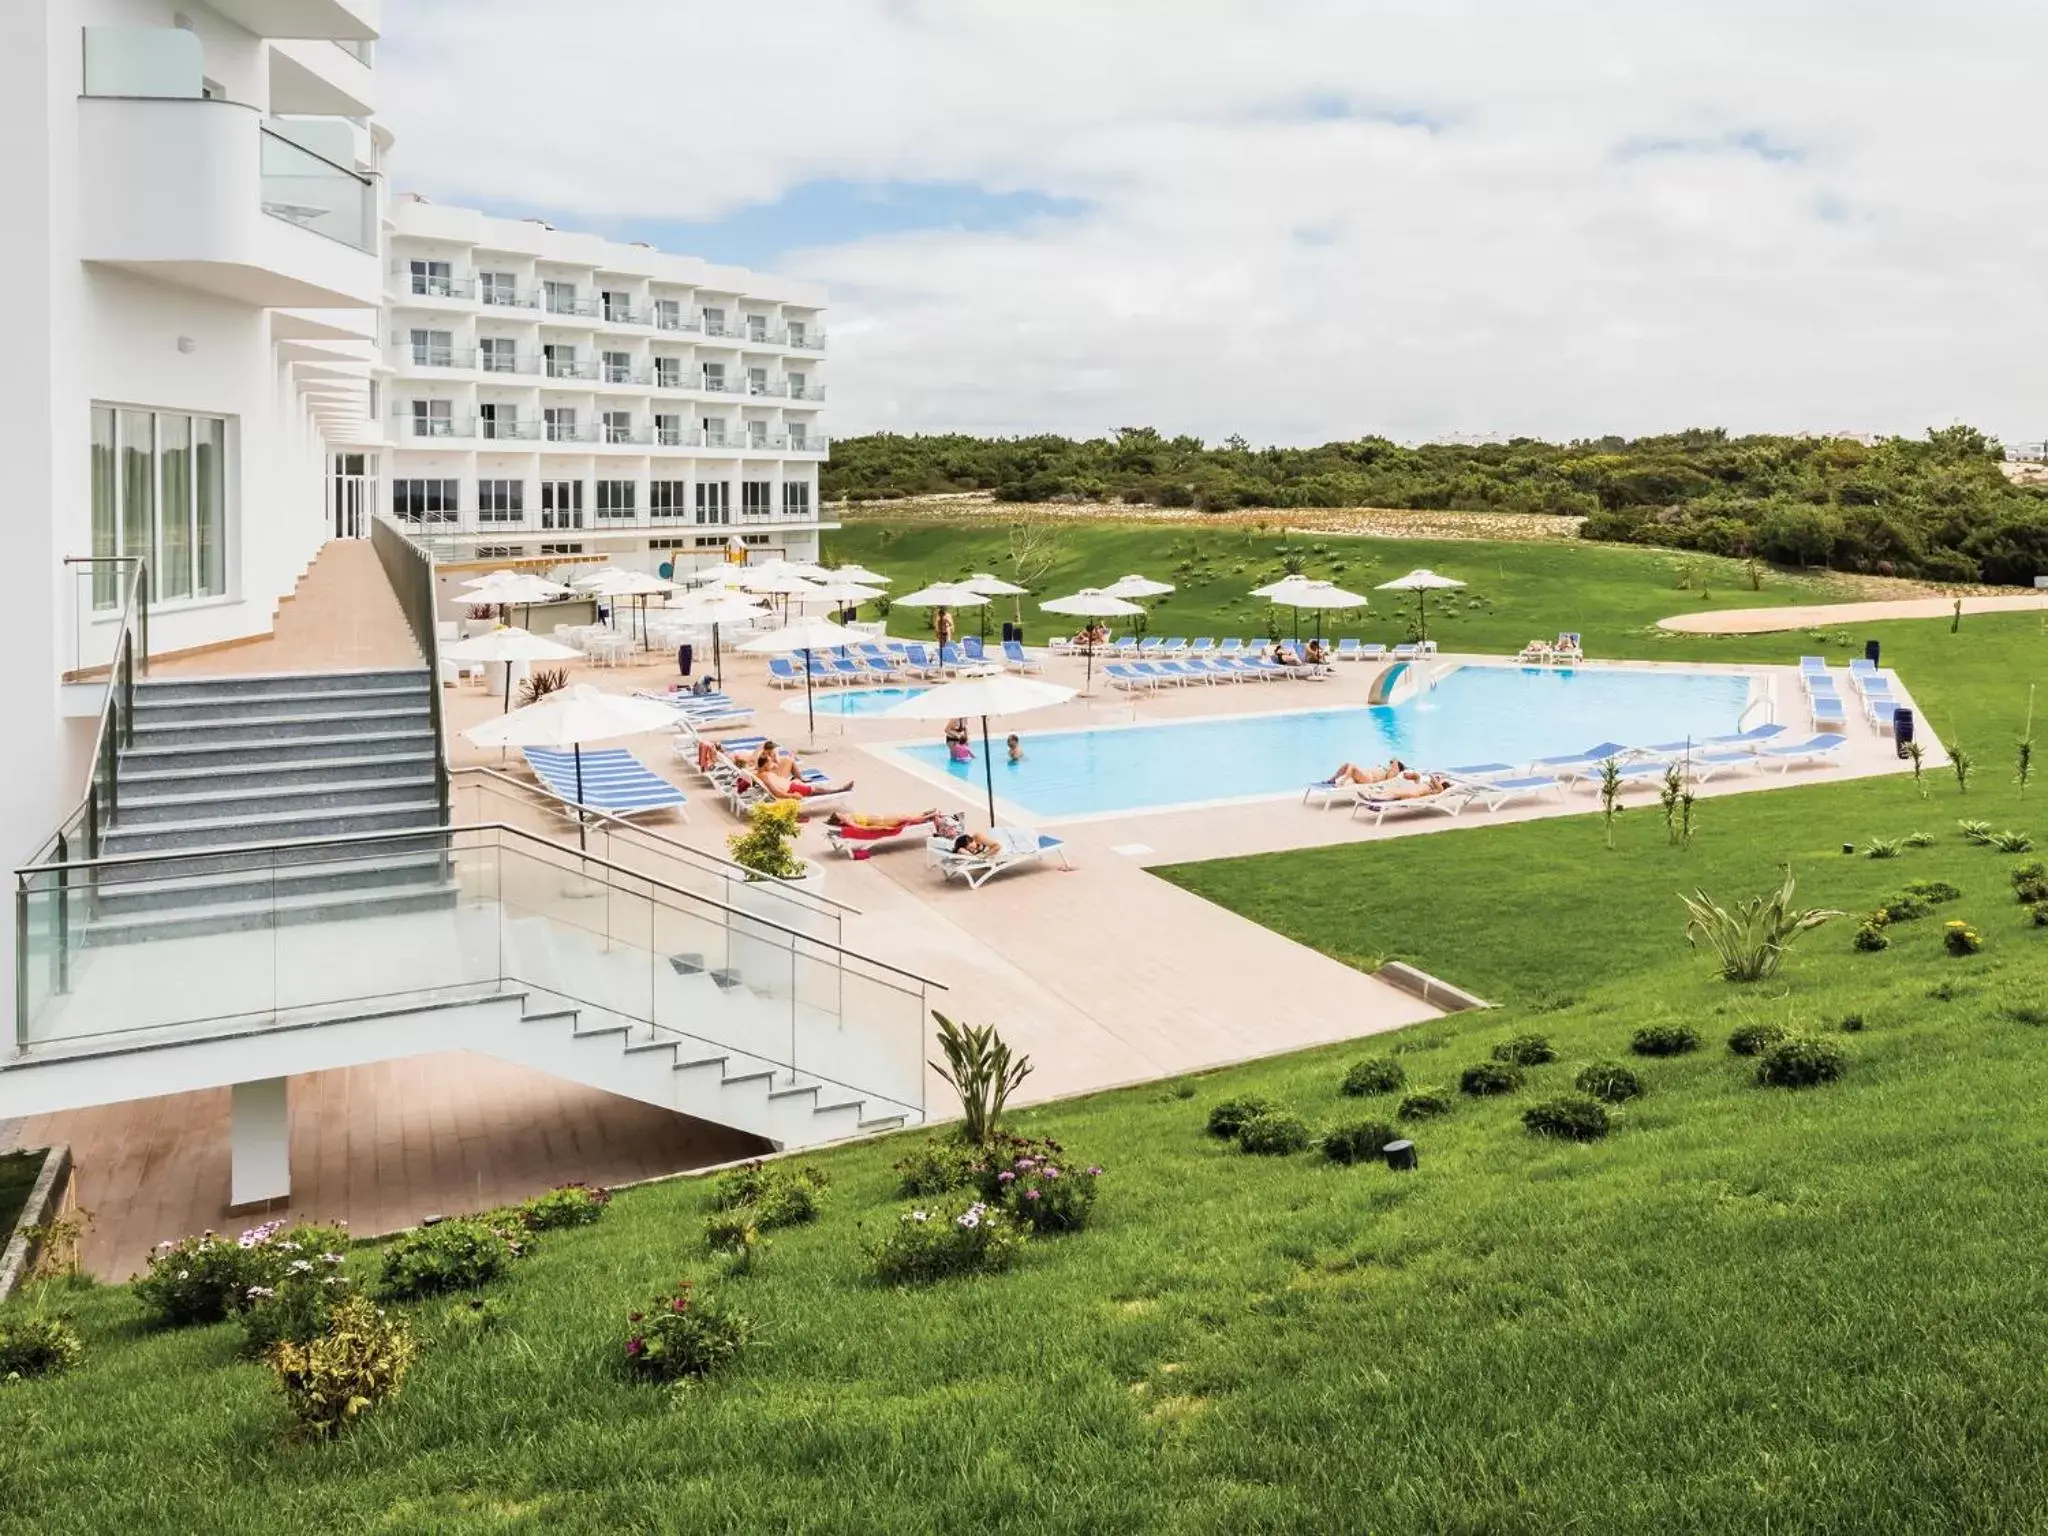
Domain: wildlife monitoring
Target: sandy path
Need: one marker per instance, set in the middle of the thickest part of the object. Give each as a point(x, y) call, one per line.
point(1760, 621)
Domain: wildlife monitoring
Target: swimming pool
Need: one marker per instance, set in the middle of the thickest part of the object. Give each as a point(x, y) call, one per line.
point(1474, 715)
point(853, 701)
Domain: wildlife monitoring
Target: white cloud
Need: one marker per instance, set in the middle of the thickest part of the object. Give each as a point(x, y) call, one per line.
point(1542, 217)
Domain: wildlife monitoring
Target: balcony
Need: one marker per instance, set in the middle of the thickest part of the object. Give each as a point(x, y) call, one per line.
point(199, 193)
point(430, 285)
point(555, 304)
point(508, 431)
point(500, 296)
point(407, 426)
point(314, 78)
point(677, 322)
point(353, 21)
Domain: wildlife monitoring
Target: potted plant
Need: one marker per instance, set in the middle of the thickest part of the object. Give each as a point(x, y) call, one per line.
point(766, 850)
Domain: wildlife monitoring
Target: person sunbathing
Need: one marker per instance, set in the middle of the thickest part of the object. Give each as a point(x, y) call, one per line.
point(878, 823)
point(1412, 786)
point(772, 759)
point(976, 844)
point(790, 786)
point(1351, 773)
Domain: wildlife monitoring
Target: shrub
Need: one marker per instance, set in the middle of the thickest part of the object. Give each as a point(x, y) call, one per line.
point(298, 1307)
point(1525, 1051)
point(459, 1255)
point(1568, 1118)
point(1375, 1074)
point(1870, 934)
point(1750, 942)
point(1918, 840)
point(937, 1166)
point(1961, 939)
point(980, 1069)
point(1423, 1104)
point(1755, 1039)
point(1852, 1023)
point(1978, 832)
point(1357, 1143)
point(207, 1278)
point(765, 847)
point(566, 1205)
point(1664, 1040)
point(39, 1344)
point(925, 1246)
point(753, 1183)
point(1610, 1082)
point(1276, 1133)
point(737, 1231)
point(360, 1361)
point(1903, 907)
point(1483, 1078)
point(2030, 882)
point(679, 1338)
point(1229, 1117)
point(1045, 1195)
point(2010, 842)
point(1933, 892)
point(1883, 847)
point(2041, 914)
point(1800, 1064)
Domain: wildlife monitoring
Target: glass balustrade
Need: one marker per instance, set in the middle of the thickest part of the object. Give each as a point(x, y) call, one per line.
point(314, 193)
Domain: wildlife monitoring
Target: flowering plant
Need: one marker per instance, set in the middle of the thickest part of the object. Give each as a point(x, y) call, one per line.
point(566, 1205)
point(681, 1338)
point(209, 1277)
point(298, 1305)
point(932, 1244)
point(1046, 1195)
point(1961, 938)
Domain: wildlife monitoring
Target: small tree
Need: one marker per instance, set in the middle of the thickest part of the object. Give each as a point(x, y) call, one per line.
point(2024, 764)
point(1917, 755)
point(1610, 796)
point(1750, 942)
point(1671, 794)
point(1960, 763)
point(764, 848)
point(1956, 620)
point(981, 1070)
point(1685, 804)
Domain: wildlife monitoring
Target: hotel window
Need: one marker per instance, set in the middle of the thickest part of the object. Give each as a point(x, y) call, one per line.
point(425, 501)
point(668, 314)
point(433, 349)
point(797, 333)
point(561, 504)
point(757, 434)
point(668, 431)
point(615, 501)
point(714, 322)
point(617, 305)
point(495, 419)
point(433, 418)
point(561, 549)
point(757, 381)
point(159, 490)
point(757, 327)
point(618, 367)
point(498, 354)
point(668, 372)
point(560, 421)
point(714, 501)
point(560, 297)
point(501, 501)
point(799, 385)
point(436, 279)
point(560, 358)
point(668, 498)
point(798, 433)
point(618, 426)
point(714, 433)
point(500, 551)
point(796, 499)
point(757, 498)
point(497, 288)
point(714, 377)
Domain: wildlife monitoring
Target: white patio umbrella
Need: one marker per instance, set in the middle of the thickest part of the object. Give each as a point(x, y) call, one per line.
point(995, 586)
point(512, 589)
point(1091, 603)
point(1138, 586)
point(861, 573)
point(941, 594)
point(806, 635)
point(1319, 595)
point(573, 717)
point(507, 645)
point(1002, 694)
point(717, 607)
point(1421, 583)
point(615, 582)
point(1275, 588)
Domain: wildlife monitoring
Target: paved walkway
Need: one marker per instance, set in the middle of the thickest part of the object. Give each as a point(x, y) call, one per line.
point(342, 618)
point(1764, 621)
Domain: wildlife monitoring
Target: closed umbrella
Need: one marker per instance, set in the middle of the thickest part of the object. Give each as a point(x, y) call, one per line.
point(1318, 595)
point(1001, 694)
point(507, 645)
point(572, 717)
point(995, 586)
point(1421, 583)
point(806, 635)
point(1091, 603)
point(715, 608)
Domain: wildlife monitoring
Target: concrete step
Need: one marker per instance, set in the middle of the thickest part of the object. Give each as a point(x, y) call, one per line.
point(254, 914)
point(174, 884)
point(232, 728)
point(238, 778)
point(258, 685)
point(181, 864)
point(215, 831)
point(248, 803)
point(231, 752)
point(152, 710)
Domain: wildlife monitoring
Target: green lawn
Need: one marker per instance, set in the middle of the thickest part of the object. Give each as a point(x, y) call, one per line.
point(1747, 1310)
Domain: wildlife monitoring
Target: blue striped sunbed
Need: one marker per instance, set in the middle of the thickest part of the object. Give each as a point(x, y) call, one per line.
point(613, 779)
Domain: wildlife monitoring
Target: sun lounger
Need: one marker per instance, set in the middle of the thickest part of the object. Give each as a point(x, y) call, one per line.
point(1823, 748)
point(1372, 651)
point(1827, 710)
point(1752, 738)
point(613, 780)
point(1577, 765)
point(1020, 846)
point(1535, 653)
point(1712, 764)
point(1017, 660)
point(1229, 648)
point(1407, 652)
point(1125, 675)
point(919, 660)
point(1497, 792)
point(1480, 771)
point(1450, 800)
point(1202, 649)
point(1187, 672)
point(970, 647)
point(1813, 663)
point(859, 842)
point(783, 675)
point(1567, 649)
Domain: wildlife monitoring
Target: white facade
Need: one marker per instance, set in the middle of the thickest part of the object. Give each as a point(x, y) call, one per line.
point(191, 241)
point(553, 393)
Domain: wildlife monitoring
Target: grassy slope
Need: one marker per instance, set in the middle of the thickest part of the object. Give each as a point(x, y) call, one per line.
point(18, 1172)
point(1748, 1310)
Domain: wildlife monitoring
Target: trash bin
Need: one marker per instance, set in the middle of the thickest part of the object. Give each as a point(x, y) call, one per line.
point(684, 654)
point(1902, 728)
point(1870, 652)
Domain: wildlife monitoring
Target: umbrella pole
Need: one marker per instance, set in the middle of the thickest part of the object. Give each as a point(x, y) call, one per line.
point(717, 667)
point(582, 835)
point(988, 769)
point(810, 711)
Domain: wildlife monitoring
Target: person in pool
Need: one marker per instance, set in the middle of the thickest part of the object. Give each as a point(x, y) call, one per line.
point(1351, 773)
point(1016, 748)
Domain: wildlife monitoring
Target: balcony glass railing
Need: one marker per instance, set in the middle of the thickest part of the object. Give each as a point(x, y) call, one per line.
point(557, 304)
point(410, 425)
point(424, 285)
point(501, 296)
point(509, 431)
point(302, 188)
point(568, 368)
point(664, 322)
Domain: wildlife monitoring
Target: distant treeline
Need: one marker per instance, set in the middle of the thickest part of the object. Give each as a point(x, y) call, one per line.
point(1938, 508)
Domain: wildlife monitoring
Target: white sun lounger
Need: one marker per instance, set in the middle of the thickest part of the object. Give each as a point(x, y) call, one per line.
point(1449, 801)
point(1815, 749)
point(1020, 846)
point(1497, 792)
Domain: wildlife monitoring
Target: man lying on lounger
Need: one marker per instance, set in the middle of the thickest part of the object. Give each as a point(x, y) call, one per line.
point(786, 785)
point(878, 823)
point(1411, 786)
point(976, 844)
point(1351, 773)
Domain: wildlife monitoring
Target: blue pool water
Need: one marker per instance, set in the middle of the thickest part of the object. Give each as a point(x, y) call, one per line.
point(1475, 715)
point(852, 701)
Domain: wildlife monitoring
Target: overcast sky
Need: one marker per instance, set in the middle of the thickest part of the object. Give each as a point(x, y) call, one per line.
point(1304, 219)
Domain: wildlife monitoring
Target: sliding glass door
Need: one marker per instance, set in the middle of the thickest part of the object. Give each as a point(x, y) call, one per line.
point(159, 490)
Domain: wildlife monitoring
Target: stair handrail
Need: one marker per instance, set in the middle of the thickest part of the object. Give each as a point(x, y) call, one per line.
point(668, 845)
point(437, 837)
point(409, 568)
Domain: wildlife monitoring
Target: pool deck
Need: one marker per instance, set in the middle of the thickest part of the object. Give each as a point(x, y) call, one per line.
point(1104, 975)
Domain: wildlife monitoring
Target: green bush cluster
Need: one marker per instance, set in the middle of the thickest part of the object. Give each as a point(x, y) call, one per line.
point(299, 1306)
point(1229, 1117)
point(1871, 937)
point(459, 1255)
point(2030, 883)
point(1375, 1074)
point(566, 1205)
point(1570, 1119)
point(359, 1360)
point(925, 1245)
point(1610, 1082)
point(1801, 1063)
point(937, 1165)
point(34, 1344)
point(1360, 1142)
point(1755, 1039)
point(1484, 1078)
point(1423, 1104)
point(1664, 1040)
point(1959, 938)
point(1043, 1193)
point(759, 1197)
point(1525, 1051)
point(681, 1338)
point(1276, 1133)
point(207, 1278)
